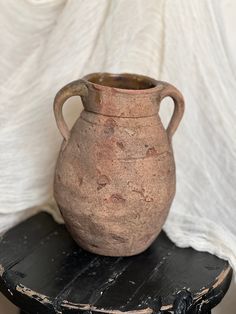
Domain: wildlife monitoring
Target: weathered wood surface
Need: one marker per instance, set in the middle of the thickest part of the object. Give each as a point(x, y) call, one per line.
point(42, 270)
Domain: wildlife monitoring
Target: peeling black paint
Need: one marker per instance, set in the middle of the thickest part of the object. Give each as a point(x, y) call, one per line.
point(44, 271)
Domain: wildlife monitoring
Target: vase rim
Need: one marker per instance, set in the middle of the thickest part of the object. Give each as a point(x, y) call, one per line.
point(128, 83)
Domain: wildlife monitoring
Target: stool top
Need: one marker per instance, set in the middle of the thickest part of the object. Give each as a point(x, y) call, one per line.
point(42, 270)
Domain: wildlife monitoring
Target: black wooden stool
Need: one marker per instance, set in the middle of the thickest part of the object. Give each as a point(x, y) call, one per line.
point(42, 270)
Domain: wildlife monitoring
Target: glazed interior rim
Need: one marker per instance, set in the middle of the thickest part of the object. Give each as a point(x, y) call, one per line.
point(123, 81)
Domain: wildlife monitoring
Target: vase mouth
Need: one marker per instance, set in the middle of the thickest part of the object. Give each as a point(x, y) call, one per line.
point(123, 82)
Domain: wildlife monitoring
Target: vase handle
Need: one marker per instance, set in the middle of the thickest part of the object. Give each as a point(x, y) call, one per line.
point(171, 91)
point(75, 88)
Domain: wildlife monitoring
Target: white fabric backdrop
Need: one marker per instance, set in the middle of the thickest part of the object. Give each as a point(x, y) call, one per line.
point(47, 43)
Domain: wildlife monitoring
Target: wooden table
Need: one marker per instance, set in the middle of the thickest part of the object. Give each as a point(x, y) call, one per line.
point(42, 270)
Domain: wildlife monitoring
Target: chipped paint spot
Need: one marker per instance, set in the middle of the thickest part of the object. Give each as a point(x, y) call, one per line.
point(132, 282)
point(1, 270)
point(166, 307)
point(89, 307)
point(222, 276)
point(10, 291)
point(219, 280)
point(32, 294)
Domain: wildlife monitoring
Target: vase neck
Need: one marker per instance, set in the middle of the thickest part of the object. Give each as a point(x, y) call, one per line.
point(123, 95)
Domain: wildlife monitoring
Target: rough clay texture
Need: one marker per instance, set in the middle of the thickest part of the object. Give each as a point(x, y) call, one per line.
point(115, 175)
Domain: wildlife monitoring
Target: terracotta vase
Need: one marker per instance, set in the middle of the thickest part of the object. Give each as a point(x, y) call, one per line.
point(115, 175)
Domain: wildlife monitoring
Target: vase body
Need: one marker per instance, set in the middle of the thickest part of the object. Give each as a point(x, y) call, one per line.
point(115, 174)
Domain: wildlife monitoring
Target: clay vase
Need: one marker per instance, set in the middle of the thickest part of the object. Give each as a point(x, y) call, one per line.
point(115, 175)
